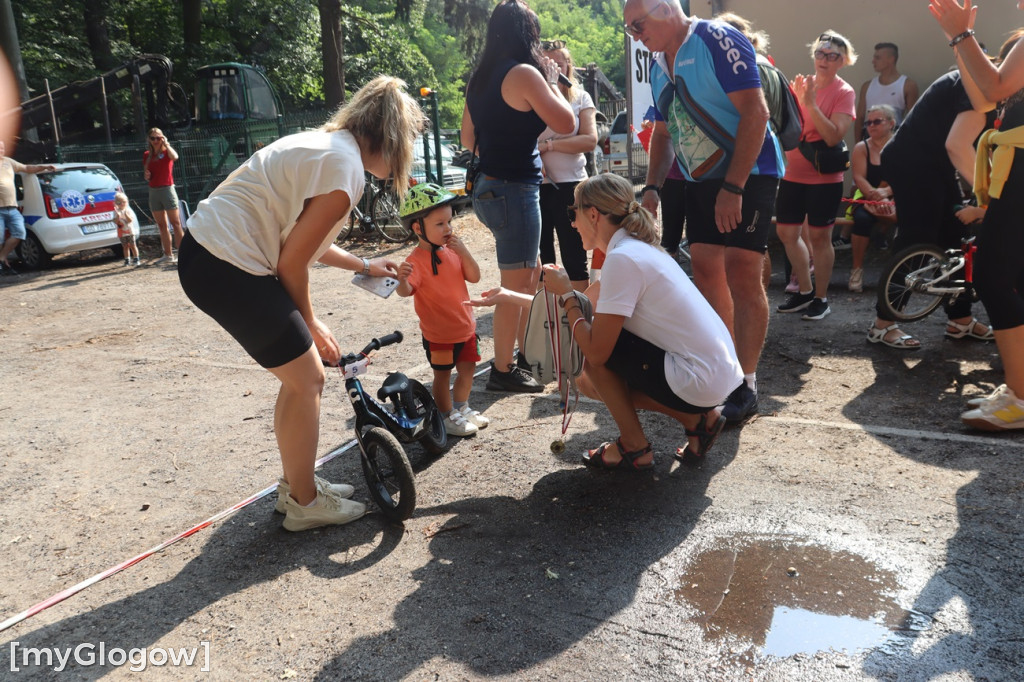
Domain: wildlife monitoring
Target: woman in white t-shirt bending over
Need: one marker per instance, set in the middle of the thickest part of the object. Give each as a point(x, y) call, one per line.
point(655, 343)
point(246, 258)
point(564, 167)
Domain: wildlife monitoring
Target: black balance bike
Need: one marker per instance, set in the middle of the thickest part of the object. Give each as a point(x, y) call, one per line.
point(403, 412)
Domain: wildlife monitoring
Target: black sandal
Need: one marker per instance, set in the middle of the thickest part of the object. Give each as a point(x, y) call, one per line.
point(595, 458)
point(706, 438)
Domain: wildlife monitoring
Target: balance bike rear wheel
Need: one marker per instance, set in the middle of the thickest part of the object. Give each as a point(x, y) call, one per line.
point(897, 300)
point(434, 437)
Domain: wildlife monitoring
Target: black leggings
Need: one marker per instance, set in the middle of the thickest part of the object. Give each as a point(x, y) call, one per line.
point(554, 219)
point(673, 213)
point(999, 262)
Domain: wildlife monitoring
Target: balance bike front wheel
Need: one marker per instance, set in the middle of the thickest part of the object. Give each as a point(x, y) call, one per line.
point(388, 474)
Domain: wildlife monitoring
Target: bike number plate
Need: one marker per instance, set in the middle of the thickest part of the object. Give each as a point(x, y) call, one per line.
point(354, 370)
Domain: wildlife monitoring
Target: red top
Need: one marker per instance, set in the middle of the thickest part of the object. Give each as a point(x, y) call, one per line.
point(161, 170)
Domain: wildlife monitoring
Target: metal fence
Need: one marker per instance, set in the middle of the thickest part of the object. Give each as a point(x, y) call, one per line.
point(207, 155)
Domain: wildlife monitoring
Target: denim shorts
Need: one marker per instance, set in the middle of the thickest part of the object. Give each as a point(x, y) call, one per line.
point(163, 198)
point(511, 211)
point(11, 218)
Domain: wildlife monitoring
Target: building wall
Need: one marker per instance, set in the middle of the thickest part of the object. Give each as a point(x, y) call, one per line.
point(924, 54)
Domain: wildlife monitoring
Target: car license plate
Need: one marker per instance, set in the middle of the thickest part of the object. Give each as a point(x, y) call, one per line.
point(98, 227)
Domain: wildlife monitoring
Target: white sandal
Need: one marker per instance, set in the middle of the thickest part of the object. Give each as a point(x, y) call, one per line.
point(876, 335)
point(966, 331)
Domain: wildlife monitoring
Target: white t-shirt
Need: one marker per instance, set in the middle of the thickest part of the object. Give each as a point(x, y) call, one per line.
point(248, 217)
point(891, 94)
point(560, 166)
point(661, 305)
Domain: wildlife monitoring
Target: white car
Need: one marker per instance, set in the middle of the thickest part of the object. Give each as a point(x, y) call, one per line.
point(71, 209)
point(454, 176)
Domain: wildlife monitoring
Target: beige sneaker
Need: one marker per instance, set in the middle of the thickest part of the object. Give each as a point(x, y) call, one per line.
point(329, 509)
point(284, 490)
point(474, 417)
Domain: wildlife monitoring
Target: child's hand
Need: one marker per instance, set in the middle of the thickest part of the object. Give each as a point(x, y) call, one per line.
point(457, 245)
point(404, 271)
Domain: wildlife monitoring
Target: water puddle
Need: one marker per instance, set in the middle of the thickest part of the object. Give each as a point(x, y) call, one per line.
point(787, 598)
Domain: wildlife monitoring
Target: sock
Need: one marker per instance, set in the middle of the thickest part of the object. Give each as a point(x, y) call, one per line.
point(807, 293)
point(459, 405)
point(311, 504)
point(751, 380)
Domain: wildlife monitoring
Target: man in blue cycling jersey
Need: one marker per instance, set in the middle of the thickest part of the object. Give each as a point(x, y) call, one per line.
point(713, 122)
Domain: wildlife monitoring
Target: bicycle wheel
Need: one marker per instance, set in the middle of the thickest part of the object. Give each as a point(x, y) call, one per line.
point(901, 289)
point(388, 474)
point(384, 210)
point(346, 227)
point(434, 437)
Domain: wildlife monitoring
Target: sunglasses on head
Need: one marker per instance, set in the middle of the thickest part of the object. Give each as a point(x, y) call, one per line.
point(829, 38)
point(552, 44)
point(828, 56)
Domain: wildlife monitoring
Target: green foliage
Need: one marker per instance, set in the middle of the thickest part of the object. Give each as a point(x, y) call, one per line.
point(436, 47)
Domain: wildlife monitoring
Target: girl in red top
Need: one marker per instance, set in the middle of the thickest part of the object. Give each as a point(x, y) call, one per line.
point(158, 168)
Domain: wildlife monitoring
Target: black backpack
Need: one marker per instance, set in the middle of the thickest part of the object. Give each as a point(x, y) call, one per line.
point(786, 120)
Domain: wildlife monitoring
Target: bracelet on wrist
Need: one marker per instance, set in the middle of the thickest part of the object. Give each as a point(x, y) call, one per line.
point(957, 39)
point(653, 188)
point(366, 266)
point(732, 189)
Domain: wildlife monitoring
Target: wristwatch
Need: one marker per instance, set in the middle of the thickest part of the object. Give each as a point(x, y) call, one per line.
point(366, 267)
point(568, 296)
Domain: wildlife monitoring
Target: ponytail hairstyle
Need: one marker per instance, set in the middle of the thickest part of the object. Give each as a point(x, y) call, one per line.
point(386, 120)
point(612, 195)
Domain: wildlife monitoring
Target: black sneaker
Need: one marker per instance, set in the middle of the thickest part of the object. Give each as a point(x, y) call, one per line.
point(516, 380)
point(840, 244)
point(796, 302)
point(522, 363)
point(817, 310)
point(6, 270)
point(740, 405)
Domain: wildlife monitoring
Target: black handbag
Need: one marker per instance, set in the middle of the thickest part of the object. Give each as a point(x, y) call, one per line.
point(472, 170)
point(824, 158)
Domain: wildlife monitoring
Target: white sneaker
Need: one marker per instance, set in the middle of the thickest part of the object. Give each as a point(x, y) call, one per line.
point(981, 400)
point(456, 424)
point(162, 259)
point(474, 417)
point(1003, 411)
point(284, 490)
point(329, 509)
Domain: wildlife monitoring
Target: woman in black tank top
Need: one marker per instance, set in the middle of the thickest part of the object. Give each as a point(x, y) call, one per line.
point(999, 265)
point(867, 177)
point(511, 97)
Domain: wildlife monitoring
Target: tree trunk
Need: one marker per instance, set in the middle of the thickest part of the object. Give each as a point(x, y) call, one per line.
point(192, 29)
point(332, 38)
point(94, 13)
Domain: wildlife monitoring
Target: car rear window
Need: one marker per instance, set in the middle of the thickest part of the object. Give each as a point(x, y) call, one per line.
point(619, 125)
point(84, 180)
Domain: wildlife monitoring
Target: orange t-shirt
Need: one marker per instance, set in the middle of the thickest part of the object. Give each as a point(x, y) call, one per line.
point(439, 299)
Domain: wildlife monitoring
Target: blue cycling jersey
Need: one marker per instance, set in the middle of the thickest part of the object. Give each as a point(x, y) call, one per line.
point(714, 60)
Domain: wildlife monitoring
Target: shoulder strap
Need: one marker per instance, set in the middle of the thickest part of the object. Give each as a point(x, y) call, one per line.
point(708, 125)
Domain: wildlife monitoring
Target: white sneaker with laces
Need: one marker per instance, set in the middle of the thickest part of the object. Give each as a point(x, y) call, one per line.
point(284, 490)
point(456, 424)
point(1001, 411)
point(474, 417)
point(981, 400)
point(329, 509)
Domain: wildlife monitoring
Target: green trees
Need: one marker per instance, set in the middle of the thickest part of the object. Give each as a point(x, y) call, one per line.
point(430, 43)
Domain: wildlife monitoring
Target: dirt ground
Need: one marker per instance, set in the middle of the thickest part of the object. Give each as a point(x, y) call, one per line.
point(854, 499)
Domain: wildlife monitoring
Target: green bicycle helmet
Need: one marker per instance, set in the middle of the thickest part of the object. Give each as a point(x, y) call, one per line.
point(419, 201)
point(422, 199)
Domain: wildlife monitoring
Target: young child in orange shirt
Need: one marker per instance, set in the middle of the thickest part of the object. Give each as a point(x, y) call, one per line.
point(435, 275)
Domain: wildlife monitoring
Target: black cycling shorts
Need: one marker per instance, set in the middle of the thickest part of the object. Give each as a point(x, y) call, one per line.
point(255, 309)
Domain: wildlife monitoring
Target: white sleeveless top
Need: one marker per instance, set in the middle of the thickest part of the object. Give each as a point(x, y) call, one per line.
point(891, 94)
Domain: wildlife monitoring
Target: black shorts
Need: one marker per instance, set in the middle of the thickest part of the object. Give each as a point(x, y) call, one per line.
point(818, 203)
point(255, 309)
point(642, 365)
point(758, 208)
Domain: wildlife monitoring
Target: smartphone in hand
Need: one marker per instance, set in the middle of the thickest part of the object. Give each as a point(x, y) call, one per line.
point(381, 286)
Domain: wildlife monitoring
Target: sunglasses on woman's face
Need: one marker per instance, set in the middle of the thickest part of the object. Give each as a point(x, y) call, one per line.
point(874, 121)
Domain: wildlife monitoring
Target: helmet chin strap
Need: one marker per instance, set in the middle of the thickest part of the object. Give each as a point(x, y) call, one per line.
point(435, 260)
